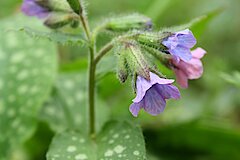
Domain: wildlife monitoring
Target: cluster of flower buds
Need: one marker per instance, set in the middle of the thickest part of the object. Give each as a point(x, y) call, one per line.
point(56, 13)
point(174, 51)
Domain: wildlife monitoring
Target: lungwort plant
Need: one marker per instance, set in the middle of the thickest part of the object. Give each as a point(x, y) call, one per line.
point(137, 47)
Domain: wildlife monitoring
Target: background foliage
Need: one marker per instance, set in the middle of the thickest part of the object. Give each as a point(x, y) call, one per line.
point(204, 124)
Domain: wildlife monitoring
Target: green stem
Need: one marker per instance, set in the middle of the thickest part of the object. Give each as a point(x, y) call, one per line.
point(91, 93)
point(103, 51)
point(91, 74)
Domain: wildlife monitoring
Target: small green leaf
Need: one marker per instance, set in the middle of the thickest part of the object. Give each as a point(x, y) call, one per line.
point(28, 69)
point(117, 141)
point(55, 36)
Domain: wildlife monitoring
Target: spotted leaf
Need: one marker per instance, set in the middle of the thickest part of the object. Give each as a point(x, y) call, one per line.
point(117, 141)
point(28, 68)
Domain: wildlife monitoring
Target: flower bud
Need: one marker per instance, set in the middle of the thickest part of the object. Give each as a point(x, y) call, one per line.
point(59, 5)
point(43, 3)
point(153, 40)
point(58, 20)
point(122, 67)
point(126, 23)
point(135, 60)
point(74, 24)
point(75, 5)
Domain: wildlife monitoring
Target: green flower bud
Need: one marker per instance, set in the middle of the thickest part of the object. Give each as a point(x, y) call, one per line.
point(59, 5)
point(74, 24)
point(153, 40)
point(76, 6)
point(159, 55)
point(135, 60)
point(122, 67)
point(58, 20)
point(43, 3)
point(126, 23)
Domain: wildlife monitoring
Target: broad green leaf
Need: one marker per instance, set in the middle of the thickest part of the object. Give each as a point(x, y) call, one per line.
point(28, 69)
point(200, 26)
point(121, 140)
point(55, 36)
point(117, 141)
point(69, 101)
point(71, 145)
point(197, 25)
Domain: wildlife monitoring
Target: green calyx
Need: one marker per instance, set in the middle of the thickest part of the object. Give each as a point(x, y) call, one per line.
point(57, 20)
point(131, 60)
point(59, 6)
point(129, 22)
point(122, 67)
point(153, 39)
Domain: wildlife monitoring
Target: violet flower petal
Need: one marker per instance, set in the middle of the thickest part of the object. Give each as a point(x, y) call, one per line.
point(143, 85)
point(181, 52)
point(187, 41)
point(168, 91)
point(153, 102)
point(135, 108)
point(31, 8)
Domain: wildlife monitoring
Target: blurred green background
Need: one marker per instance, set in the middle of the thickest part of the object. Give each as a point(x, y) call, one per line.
point(205, 123)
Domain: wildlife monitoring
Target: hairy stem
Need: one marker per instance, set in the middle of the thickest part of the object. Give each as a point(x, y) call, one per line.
point(103, 52)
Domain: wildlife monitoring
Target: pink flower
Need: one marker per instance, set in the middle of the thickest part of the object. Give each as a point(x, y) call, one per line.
point(192, 69)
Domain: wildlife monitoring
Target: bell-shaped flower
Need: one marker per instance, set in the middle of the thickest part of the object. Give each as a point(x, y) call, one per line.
point(152, 94)
point(189, 70)
point(179, 45)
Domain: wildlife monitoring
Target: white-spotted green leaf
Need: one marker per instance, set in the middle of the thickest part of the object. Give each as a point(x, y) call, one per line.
point(121, 141)
point(55, 36)
point(67, 108)
point(28, 69)
point(71, 145)
point(117, 141)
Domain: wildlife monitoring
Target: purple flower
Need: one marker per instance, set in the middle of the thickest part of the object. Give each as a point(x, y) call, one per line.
point(179, 45)
point(32, 8)
point(152, 95)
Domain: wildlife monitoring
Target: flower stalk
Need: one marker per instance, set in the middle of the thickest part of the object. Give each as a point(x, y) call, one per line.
point(91, 76)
